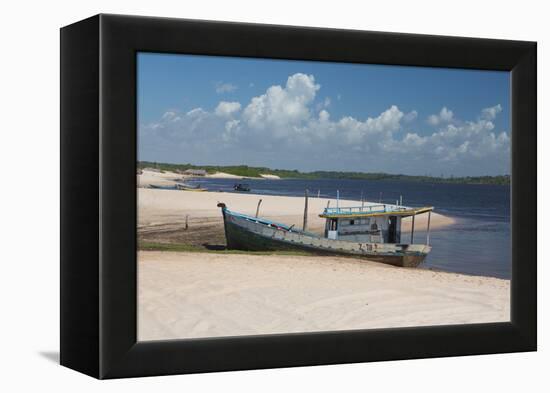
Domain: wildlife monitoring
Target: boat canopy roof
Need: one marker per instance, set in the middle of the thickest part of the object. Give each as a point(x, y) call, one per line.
point(373, 210)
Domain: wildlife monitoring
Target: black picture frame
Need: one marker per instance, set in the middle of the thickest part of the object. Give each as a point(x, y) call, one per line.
point(98, 196)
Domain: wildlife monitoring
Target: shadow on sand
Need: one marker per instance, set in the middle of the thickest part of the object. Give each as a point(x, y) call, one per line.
point(52, 356)
point(214, 247)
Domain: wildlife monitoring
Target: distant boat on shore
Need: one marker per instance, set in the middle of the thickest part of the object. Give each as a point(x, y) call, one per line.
point(179, 186)
point(372, 232)
point(187, 187)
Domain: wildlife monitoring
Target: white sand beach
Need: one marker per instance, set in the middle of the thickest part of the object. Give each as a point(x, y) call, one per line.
point(171, 207)
point(189, 295)
point(150, 177)
point(164, 206)
point(271, 177)
point(156, 178)
point(216, 293)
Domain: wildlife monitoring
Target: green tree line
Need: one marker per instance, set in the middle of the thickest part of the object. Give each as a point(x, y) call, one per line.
point(249, 171)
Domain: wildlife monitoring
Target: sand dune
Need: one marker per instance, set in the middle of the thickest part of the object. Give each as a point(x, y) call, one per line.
point(186, 295)
point(223, 175)
point(159, 179)
point(166, 178)
point(271, 177)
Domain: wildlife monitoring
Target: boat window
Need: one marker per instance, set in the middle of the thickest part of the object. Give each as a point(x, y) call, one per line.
point(351, 222)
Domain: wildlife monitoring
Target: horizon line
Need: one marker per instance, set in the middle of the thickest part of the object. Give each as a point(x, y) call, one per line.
point(322, 170)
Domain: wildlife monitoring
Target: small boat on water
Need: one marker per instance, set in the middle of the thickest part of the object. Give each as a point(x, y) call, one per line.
point(241, 187)
point(370, 231)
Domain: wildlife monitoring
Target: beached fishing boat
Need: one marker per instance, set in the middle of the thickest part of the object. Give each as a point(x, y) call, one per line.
point(369, 231)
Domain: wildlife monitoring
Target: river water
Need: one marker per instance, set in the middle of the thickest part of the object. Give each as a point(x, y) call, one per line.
point(479, 243)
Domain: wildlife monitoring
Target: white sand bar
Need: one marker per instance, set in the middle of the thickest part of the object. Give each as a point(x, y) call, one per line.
point(186, 295)
point(170, 206)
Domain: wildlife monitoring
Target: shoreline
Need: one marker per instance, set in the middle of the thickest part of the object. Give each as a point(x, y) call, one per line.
point(191, 221)
point(196, 288)
point(502, 180)
point(174, 248)
point(193, 218)
point(149, 178)
point(192, 295)
point(223, 175)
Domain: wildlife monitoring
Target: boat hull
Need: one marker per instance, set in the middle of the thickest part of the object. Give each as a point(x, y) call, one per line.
point(242, 233)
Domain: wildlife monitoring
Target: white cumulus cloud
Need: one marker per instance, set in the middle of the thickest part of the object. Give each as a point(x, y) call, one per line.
point(412, 115)
point(225, 108)
point(444, 116)
point(285, 128)
point(280, 109)
point(491, 113)
point(222, 87)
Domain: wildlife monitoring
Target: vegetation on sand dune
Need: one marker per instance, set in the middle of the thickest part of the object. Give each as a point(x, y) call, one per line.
point(249, 171)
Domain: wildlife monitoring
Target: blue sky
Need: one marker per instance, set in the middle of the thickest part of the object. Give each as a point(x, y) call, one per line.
point(322, 116)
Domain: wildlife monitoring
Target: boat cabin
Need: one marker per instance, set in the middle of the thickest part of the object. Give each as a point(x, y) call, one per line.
point(369, 224)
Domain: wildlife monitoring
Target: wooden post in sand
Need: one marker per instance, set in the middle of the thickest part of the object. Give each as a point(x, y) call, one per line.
point(305, 212)
point(428, 230)
point(412, 231)
point(258, 208)
point(186, 221)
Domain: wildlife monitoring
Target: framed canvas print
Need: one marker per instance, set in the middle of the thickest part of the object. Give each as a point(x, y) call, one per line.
point(239, 196)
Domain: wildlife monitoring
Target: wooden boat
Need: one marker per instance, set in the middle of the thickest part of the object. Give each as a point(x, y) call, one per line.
point(372, 232)
point(186, 187)
point(178, 186)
